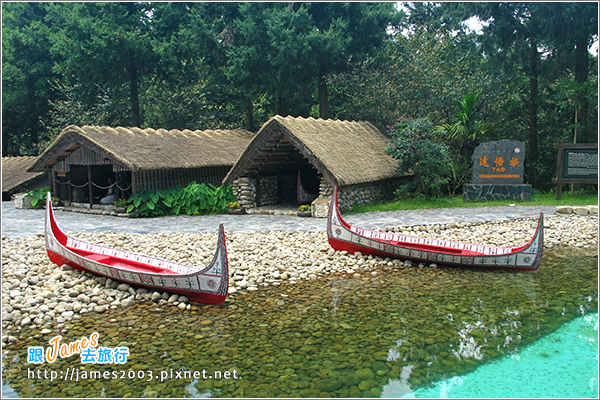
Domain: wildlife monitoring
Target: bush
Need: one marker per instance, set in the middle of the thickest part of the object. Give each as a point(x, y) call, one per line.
point(413, 143)
point(39, 197)
point(193, 199)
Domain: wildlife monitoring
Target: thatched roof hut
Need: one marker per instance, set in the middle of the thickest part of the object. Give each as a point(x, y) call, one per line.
point(16, 179)
point(346, 153)
point(341, 153)
point(148, 149)
point(145, 158)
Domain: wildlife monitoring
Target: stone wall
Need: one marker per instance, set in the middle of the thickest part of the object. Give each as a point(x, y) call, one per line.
point(348, 196)
point(244, 189)
point(268, 190)
point(366, 193)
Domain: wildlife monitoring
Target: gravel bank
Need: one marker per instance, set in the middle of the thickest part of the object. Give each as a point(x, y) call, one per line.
point(36, 292)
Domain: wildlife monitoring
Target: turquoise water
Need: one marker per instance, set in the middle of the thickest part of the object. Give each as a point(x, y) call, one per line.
point(418, 332)
point(556, 366)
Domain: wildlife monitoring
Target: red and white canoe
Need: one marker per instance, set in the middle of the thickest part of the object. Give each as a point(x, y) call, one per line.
point(343, 236)
point(206, 285)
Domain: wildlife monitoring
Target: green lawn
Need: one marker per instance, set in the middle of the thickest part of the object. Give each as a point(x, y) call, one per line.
point(544, 199)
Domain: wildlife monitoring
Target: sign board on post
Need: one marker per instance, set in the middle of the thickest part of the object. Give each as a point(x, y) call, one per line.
point(577, 163)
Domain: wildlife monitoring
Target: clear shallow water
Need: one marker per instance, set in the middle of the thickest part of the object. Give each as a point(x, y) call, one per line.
point(392, 334)
point(560, 365)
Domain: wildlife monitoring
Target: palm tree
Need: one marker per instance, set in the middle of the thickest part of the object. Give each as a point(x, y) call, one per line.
point(466, 126)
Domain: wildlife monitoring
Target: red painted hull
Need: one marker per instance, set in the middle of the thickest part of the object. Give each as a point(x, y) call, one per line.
point(206, 285)
point(345, 237)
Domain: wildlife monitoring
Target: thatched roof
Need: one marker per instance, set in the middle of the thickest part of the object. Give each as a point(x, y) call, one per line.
point(149, 149)
point(14, 172)
point(346, 153)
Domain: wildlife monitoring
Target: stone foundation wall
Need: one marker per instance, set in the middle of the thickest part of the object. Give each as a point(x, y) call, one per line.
point(373, 192)
point(244, 189)
point(268, 190)
point(477, 192)
point(349, 196)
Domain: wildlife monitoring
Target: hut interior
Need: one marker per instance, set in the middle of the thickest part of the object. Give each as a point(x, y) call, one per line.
point(277, 166)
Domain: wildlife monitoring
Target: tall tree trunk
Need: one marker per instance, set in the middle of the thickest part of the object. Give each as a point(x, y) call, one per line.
point(249, 110)
point(581, 76)
point(33, 122)
point(534, 72)
point(323, 98)
point(277, 105)
point(134, 96)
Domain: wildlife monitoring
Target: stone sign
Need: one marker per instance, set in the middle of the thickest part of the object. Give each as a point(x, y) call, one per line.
point(499, 162)
point(498, 172)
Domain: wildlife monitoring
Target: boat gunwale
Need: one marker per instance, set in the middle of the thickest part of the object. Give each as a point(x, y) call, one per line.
point(216, 296)
point(538, 234)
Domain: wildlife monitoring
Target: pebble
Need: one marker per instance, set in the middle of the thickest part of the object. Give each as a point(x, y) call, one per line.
point(40, 293)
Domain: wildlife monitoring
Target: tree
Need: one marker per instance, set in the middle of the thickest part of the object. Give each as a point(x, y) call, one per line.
point(573, 27)
point(346, 33)
point(26, 69)
point(288, 50)
point(521, 37)
point(104, 43)
point(414, 144)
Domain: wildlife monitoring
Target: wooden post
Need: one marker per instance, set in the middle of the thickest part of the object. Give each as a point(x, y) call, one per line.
point(257, 190)
point(70, 188)
point(53, 183)
point(90, 189)
point(559, 169)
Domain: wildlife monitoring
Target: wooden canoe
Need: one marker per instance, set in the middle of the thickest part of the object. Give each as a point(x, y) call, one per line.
point(206, 285)
point(343, 236)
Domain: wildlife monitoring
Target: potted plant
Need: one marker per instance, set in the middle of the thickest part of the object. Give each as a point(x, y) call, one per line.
point(235, 208)
point(56, 201)
point(305, 211)
point(120, 206)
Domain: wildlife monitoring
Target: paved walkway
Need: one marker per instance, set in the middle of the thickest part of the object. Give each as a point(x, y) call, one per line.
point(22, 222)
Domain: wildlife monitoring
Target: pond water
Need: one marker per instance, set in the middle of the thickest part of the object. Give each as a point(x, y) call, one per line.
point(404, 332)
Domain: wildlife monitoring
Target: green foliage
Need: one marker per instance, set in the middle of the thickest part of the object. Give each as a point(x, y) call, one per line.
point(579, 198)
point(414, 143)
point(26, 70)
point(193, 199)
point(466, 126)
point(305, 207)
point(462, 136)
point(39, 197)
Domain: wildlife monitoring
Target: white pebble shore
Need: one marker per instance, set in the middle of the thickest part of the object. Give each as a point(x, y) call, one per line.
point(38, 293)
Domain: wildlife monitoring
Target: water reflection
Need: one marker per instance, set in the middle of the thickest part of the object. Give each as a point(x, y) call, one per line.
point(361, 336)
